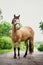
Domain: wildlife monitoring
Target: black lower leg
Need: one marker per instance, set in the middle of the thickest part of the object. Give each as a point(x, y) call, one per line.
point(18, 51)
point(25, 53)
point(26, 49)
point(14, 52)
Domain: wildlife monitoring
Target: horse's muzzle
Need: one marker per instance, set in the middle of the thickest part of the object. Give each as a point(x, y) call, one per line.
point(17, 26)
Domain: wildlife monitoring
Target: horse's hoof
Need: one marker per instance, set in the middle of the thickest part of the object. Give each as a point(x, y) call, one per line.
point(24, 56)
point(19, 57)
point(31, 52)
point(15, 57)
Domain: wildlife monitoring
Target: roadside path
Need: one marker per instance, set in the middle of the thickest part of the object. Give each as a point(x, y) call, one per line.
point(35, 59)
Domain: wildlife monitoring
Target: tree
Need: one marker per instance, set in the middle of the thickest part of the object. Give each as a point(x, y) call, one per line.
point(1, 16)
point(5, 28)
point(41, 26)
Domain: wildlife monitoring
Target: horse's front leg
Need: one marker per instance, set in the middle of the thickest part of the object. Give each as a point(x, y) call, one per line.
point(19, 48)
point(15, 51)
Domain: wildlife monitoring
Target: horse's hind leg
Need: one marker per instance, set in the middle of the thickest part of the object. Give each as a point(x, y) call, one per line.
point(31, 45)
point(26, 43)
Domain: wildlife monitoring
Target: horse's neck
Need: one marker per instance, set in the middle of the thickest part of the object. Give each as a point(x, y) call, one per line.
point(14, 30)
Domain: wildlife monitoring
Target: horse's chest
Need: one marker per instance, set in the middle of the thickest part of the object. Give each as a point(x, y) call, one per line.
point(16, 37)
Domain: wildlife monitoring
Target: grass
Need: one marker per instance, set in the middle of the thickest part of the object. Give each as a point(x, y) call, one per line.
point(22, 47)
point(5, 51)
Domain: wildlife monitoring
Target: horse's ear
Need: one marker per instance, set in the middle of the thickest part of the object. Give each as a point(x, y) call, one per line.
point(12, 21)
point(18, 16)
point(14, 16)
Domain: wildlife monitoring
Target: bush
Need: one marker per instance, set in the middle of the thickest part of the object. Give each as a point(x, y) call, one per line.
point(5, 43)
point(40, 48)
point(5, 28)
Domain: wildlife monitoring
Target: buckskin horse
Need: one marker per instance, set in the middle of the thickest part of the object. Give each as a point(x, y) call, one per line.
point(22, 34)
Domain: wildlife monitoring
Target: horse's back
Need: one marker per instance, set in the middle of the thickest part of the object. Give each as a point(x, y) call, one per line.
point(27, 29)
point(27, 32)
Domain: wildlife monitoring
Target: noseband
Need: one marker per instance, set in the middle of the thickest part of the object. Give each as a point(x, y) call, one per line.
point(16, 24)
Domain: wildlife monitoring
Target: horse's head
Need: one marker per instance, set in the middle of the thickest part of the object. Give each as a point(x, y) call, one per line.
point(16, 22)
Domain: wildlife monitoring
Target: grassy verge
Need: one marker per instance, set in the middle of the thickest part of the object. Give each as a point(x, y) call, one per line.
point(22, 47)
point(5, 51)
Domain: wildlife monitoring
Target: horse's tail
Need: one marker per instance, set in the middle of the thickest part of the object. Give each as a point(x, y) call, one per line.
point(31, 46)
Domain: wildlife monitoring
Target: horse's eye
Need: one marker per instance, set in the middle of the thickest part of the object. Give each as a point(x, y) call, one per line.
point(14, 20)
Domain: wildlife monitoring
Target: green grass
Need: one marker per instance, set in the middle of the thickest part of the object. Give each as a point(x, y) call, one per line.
point(22, 47)
point(5, 51)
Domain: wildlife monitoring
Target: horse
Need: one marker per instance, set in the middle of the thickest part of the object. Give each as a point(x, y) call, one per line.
point(23, 33)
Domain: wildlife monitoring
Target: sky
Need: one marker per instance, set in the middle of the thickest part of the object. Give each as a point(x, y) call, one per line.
point(31, 13)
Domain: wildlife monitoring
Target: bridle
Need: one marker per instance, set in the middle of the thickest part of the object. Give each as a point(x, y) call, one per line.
point(16, 25)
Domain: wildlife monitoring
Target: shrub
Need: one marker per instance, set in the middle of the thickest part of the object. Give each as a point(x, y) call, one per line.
point(5, 28)
point(40, 48)
point(5, 43)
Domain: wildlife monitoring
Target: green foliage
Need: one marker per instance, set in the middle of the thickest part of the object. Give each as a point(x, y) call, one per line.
point(0, 11)
point(5, 43)
point(22, 46)
point(1, 16)
point(40, 48)
point(41, 25)
point(5, 28)
point(2, 51)
point(21, 25)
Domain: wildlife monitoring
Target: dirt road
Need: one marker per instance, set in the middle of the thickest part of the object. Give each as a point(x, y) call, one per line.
point(35, 59)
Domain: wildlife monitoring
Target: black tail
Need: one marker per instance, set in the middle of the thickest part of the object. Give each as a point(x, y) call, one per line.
point(30, 47)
